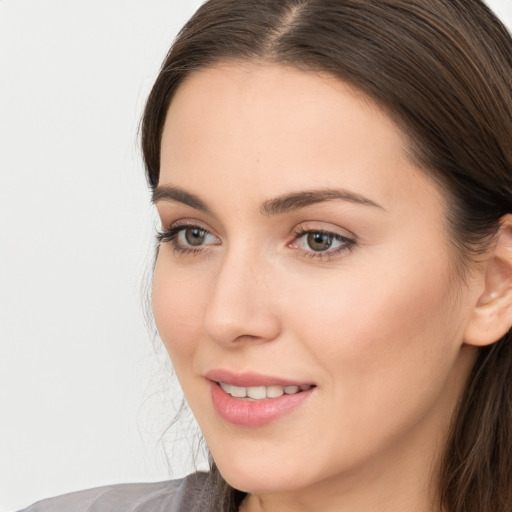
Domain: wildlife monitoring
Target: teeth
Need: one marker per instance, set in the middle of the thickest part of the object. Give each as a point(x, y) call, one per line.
point(275, 391)
point(261, 392)
point(238, 392)
point(257, 392)
point(225, 387)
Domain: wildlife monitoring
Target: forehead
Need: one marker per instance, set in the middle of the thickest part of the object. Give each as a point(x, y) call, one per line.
point(259, 97)
point(279, 129)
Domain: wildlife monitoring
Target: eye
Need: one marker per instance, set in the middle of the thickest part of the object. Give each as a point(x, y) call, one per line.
point(320, 243)
point(188, 238)
point(192, 236)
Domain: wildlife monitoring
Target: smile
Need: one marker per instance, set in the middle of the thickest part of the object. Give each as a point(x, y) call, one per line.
point(262, 392)
point(257, 405)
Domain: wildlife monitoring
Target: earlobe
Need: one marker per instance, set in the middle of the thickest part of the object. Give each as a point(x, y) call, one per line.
point(491, 317)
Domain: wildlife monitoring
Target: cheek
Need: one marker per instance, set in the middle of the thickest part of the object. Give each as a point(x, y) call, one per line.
point(383, 334)
point(177, 307)
point(387, 348)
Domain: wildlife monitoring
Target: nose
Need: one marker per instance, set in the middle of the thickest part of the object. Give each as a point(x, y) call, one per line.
point(241, 306)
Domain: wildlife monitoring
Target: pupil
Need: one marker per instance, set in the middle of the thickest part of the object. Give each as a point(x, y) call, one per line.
point(319, 241)
point(194, 236)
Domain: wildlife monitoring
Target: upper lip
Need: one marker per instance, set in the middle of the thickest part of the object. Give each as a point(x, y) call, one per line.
point(249, 379)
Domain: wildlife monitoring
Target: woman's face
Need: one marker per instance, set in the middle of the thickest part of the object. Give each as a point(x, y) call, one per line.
point(304, 251)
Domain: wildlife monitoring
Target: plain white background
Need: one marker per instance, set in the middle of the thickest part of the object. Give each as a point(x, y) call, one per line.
point(84, 396)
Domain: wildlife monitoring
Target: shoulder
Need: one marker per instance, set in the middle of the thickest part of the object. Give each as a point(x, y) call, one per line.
point(186, 494)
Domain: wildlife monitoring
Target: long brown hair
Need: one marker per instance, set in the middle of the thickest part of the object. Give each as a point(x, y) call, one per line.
point(442, 69)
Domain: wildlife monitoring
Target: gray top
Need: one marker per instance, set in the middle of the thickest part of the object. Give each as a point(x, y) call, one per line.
point(189, 494)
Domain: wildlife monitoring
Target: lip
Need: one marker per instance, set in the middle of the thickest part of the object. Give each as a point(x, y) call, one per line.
point(257, 413)
point(248, 379)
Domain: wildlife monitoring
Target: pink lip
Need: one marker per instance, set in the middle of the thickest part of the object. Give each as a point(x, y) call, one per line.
point(250, 379)
point(249, 413)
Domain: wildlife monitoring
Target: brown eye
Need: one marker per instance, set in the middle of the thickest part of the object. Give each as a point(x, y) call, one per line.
point(319, 241)
point(195, 236)
point(321, 244)
point(188, 239)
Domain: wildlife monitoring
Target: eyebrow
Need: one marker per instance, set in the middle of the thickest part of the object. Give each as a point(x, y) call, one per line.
point(282, 204)
point(297, 200)
point(178, 195)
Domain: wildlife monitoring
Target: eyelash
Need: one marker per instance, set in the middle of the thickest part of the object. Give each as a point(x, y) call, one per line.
point(171, 235)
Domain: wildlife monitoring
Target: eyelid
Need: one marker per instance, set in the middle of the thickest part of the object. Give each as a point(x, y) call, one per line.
point(190, 223)
point(322, 227)
point(186, 223)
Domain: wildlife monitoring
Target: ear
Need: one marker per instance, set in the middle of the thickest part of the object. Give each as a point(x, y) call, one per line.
point(491, 317)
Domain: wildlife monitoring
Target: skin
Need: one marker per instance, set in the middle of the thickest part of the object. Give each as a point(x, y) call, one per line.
point(378, 326)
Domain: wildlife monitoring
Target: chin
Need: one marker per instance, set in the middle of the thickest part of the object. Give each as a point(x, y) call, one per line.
point(259, 484)
point(266, 475)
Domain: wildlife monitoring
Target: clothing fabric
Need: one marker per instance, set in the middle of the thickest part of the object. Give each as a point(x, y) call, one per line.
point(190, 494)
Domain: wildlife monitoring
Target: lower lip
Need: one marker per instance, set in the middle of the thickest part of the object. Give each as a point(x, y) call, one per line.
point(254, 413)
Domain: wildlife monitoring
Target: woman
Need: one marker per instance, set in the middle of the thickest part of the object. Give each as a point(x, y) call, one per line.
point(334, 275)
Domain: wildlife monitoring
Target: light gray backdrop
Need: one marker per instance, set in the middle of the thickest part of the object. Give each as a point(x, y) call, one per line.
point(80, 392)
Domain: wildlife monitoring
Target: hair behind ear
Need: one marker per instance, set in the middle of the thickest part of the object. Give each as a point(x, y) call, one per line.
point(476, 470)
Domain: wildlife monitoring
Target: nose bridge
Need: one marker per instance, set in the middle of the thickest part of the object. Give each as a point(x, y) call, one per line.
point(240, 305)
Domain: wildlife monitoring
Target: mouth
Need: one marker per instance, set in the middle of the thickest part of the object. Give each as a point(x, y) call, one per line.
point(262, 392)
point(253, 400)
